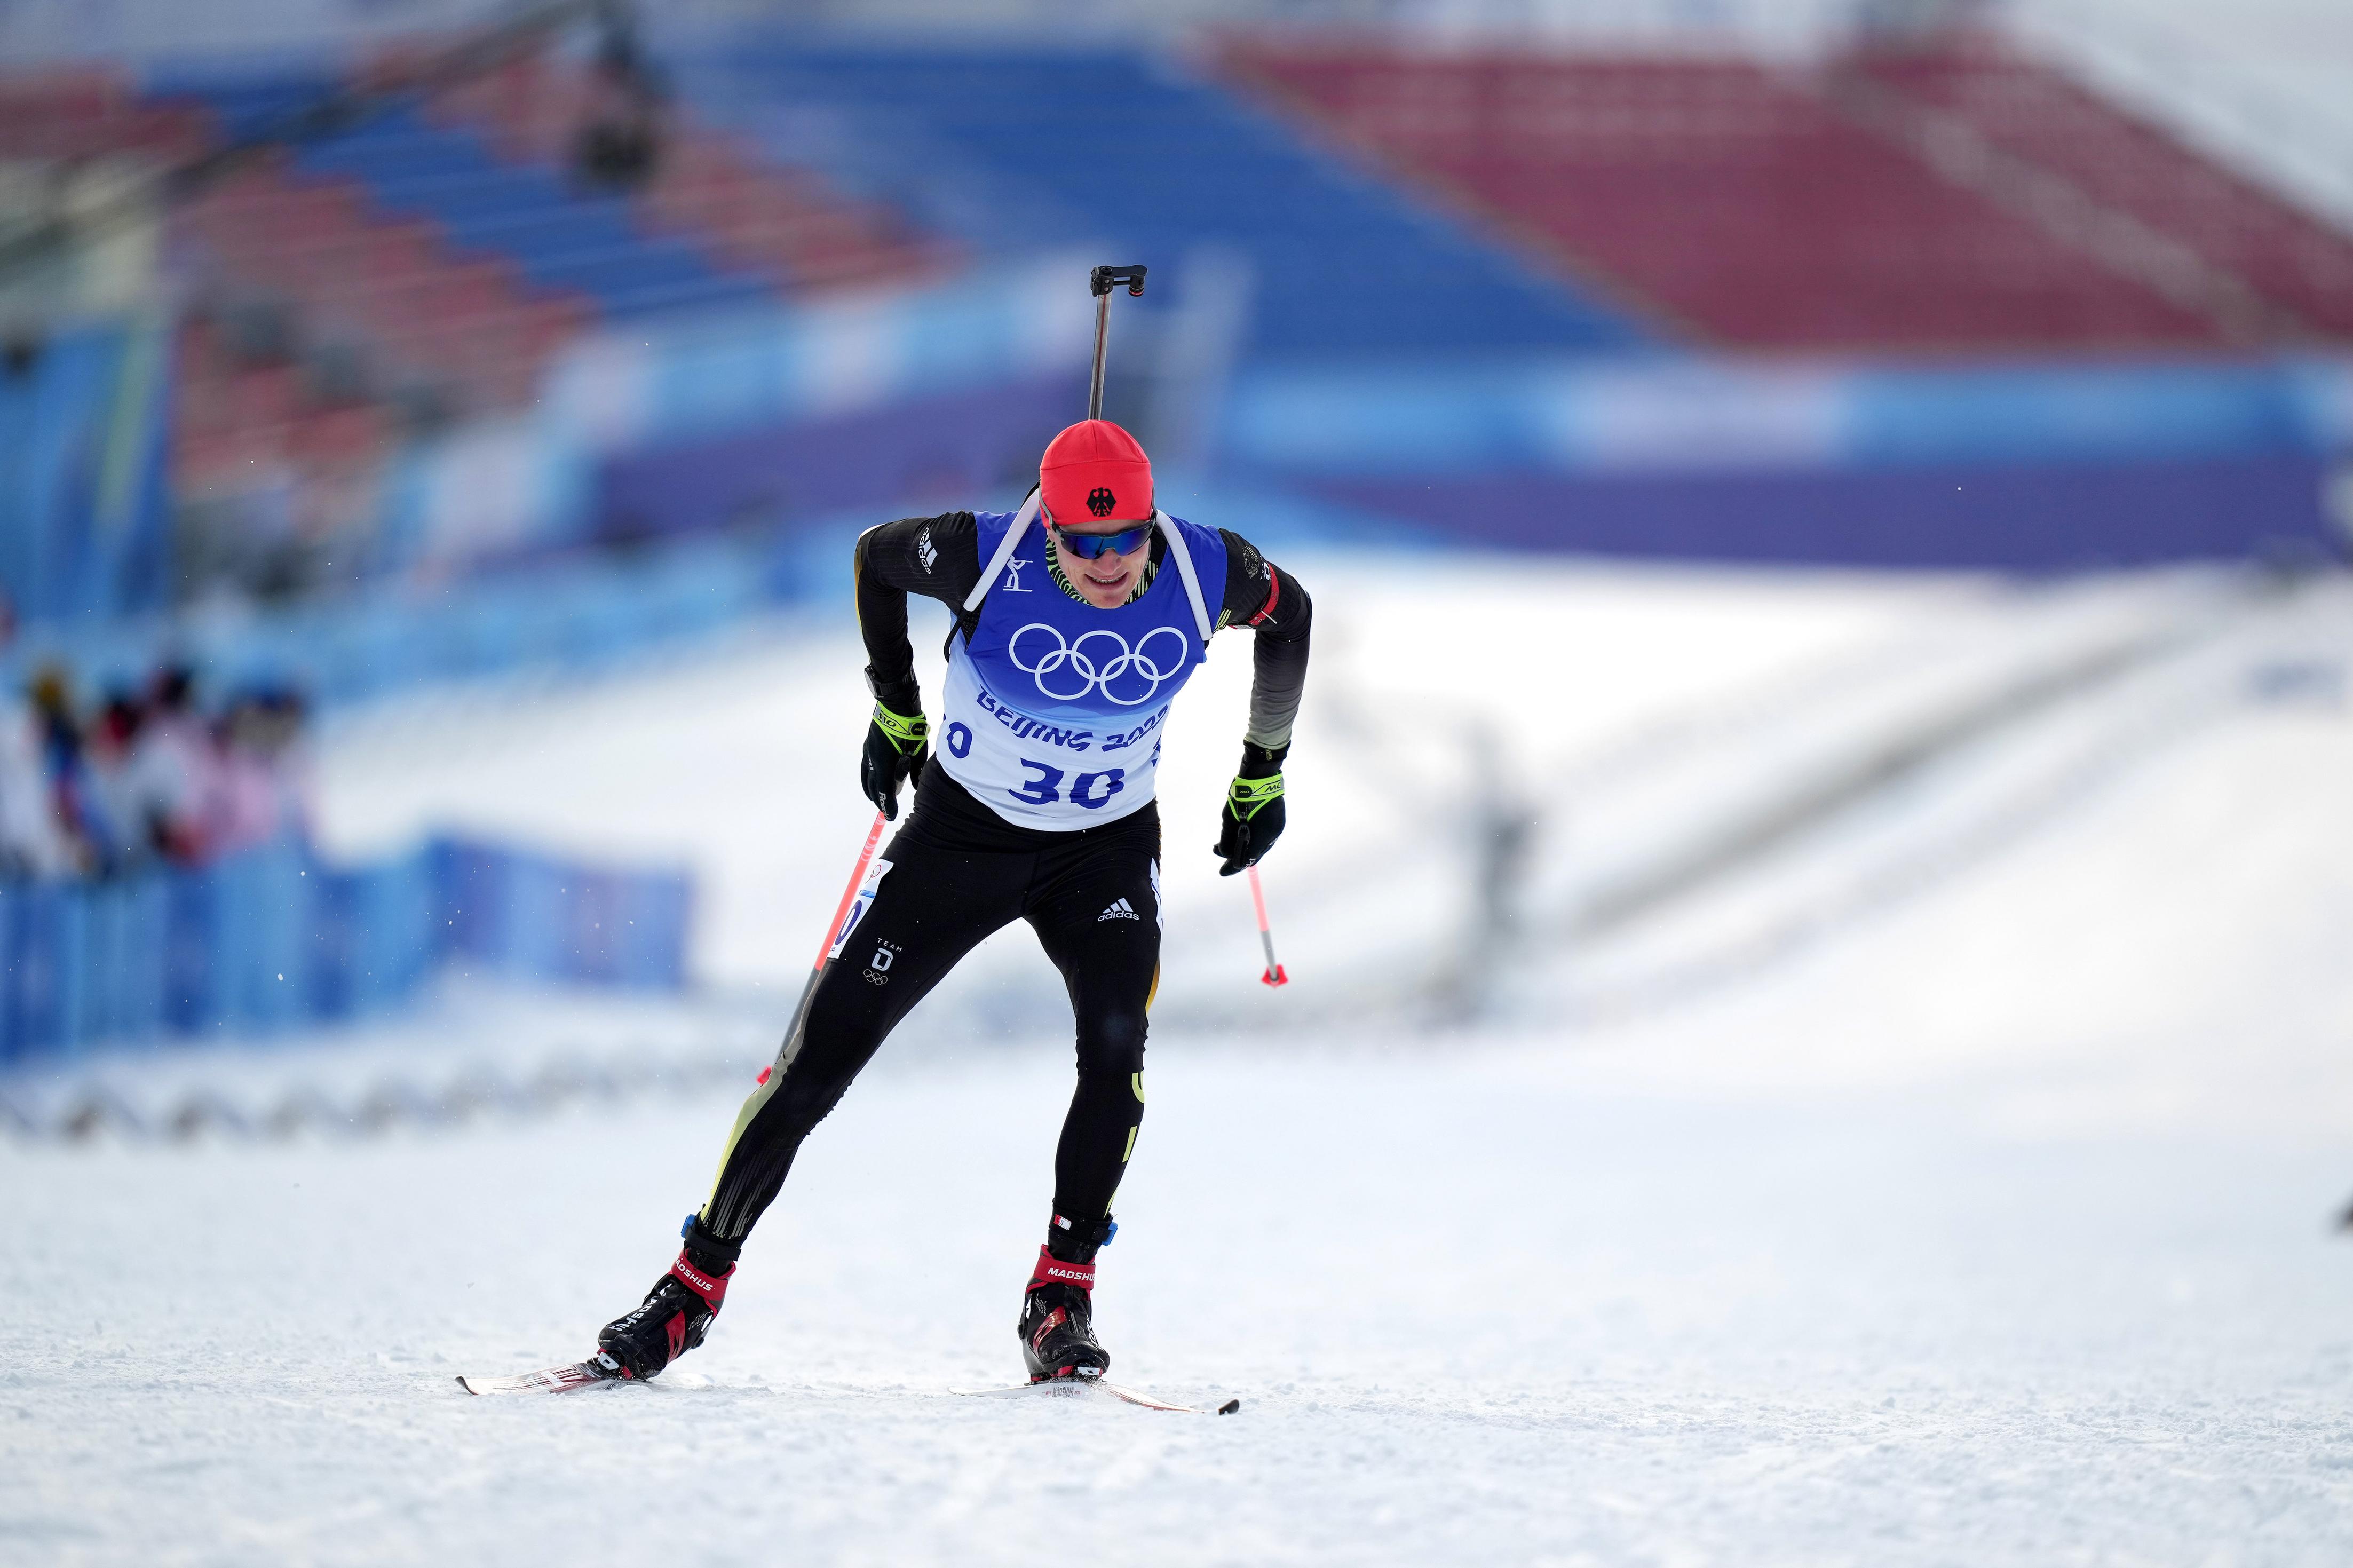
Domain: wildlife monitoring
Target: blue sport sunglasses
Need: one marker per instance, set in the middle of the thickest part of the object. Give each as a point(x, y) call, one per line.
point(1088, 546)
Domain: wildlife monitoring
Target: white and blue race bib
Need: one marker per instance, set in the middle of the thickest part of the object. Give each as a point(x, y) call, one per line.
point(1053, 713)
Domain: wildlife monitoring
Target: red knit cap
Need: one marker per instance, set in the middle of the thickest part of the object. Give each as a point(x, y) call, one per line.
point(1095, 471)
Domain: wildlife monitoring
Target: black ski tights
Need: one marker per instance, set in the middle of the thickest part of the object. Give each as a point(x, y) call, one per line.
point(953, 875)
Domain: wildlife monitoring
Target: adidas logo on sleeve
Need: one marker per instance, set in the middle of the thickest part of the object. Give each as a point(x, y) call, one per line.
point(1121, 910)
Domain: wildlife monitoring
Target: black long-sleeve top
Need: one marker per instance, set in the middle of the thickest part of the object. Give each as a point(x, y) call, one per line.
point(939, 558)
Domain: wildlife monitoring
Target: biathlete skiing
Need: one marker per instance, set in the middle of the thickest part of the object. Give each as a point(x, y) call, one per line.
point(1077, 621)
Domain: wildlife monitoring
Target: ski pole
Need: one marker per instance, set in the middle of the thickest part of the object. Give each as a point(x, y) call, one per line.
point(1274, 975)
point(1101, 281)
point(833, 928)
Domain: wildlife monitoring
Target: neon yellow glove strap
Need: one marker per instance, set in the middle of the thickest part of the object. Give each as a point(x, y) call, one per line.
point(907, 734)
point(1248, 797)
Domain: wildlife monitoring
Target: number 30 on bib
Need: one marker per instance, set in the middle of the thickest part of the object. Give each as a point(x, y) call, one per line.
point(1042, 785)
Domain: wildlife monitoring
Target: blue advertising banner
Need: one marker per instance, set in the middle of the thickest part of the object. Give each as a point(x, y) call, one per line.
point(273, 939)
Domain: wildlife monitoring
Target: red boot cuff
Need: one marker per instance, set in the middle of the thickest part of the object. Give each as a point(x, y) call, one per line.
point(1053, 1270)
point(712, 1288)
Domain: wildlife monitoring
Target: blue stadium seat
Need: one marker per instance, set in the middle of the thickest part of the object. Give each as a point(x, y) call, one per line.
point(557, 236)
point(1108, 146)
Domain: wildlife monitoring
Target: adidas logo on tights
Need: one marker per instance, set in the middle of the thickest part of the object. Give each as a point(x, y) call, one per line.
point(1120, 910)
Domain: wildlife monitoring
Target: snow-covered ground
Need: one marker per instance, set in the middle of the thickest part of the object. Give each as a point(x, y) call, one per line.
point(1988, 1220)
point(1482, 1306)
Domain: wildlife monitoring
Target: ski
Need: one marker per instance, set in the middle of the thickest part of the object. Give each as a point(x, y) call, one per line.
point(590, 1374)
point(1082, 1386)
point(552, 1379)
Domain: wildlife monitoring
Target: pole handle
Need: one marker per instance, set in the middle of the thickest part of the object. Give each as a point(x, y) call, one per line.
point(1103, 279)
point(1100, 283)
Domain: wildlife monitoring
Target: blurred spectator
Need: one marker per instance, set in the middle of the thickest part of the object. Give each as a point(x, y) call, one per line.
point(262, 788)
point(620, 145)
point(175, 770)
point(73, 800)
point(146, 779)
point(31, 843)
point(110, 748)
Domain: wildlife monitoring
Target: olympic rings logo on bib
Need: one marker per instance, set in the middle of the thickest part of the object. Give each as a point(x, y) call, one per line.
point(1099, 661)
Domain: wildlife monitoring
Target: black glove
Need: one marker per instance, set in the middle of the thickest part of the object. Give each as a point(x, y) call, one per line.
point(1252, 819)
point(896, 750)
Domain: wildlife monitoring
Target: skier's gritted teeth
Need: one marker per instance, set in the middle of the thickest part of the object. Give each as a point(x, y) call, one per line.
point(1107, 580)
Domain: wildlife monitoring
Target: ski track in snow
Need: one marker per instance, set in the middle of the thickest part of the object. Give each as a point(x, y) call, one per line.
point(1487, 1308)
point(1991, 1229)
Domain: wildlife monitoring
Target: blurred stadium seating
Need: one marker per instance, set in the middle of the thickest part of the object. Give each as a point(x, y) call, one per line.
point(553, 356)
point(376, 282)
point(751, 213)
point(1754, 203)
point(554, 235)
point(394, 309)
point(1120, 147)
point(455, 253)
point(72, 113)
point(2298, 265)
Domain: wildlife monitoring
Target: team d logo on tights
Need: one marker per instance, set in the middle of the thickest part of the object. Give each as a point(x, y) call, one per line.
point(1100, 500)
point(1098, 660)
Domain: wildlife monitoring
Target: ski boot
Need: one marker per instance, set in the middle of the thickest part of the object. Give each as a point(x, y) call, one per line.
point(1057, 1326)
point(676, 1314)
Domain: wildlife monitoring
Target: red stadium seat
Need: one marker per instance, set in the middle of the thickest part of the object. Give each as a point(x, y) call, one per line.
point(1760, 209)
point(2300, 265)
